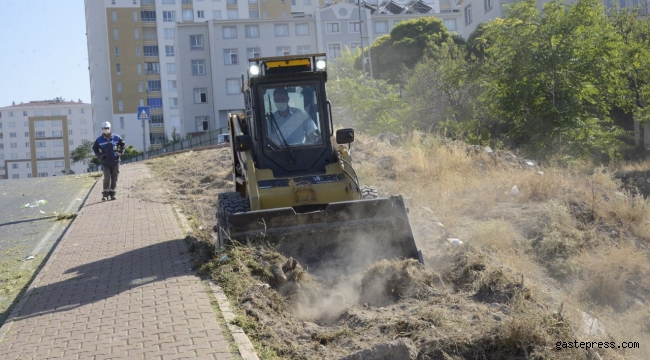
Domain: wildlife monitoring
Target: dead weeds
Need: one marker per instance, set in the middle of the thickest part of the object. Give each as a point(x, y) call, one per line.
point(496, 296)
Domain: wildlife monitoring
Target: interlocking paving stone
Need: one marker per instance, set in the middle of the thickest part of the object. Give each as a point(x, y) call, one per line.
point(118, 285)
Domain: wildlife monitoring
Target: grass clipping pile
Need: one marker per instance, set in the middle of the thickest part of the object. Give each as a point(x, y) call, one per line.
point(467, 306)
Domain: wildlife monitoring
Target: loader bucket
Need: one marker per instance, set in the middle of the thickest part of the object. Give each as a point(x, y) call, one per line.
point(344, 238)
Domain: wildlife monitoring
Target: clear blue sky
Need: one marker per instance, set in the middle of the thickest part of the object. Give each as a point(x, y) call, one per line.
point(43, 51)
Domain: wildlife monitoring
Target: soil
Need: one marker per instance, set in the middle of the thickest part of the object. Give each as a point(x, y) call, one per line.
point(466, 306)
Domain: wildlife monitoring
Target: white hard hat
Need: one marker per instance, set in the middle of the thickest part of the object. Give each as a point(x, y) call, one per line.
point(106, 124)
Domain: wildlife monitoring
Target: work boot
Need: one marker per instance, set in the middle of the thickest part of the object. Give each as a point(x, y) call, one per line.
point(104, 195)
point(112, 194)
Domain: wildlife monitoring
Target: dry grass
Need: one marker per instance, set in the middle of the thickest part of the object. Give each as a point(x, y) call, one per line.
point(607, 271)
point(569, 231)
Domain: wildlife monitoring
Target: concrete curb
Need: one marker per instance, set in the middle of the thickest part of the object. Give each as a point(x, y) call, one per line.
point(244, 345)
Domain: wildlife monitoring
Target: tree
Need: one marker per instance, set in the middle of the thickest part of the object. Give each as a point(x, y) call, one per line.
point(635, 36)
point(442, 88)
point(554, 78)
point(82, 152)
point(373, 107)
point(404, 46)
point(175, 138)
point(130, 152)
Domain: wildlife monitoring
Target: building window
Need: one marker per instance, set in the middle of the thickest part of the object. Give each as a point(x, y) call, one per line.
point(264, 12)
point(11, 114)
point(252, 31)
point(26, 145)
point(230, 56)
point(232, 86)
point(488, 5)
point(15, 145)
point(69, 131)
point(354, 27)
point(115, 34)
point(151, 68)
point(216, 14)
point(71, 142)
point(196, 42)
point(169, 16)
point(139, 69)
point(121, 122)
point(188, 15)
point(12, 134)
point(170, 33)
point(169, 2)
point(169, 50)
point(137, 51)
point(153, 85)
point(201, 123)
point(200, 96)
point(171, 85)
point(355, 46)
point(136, 34)
point(253, 14)
point(148, 15)
point(450, 24)
point(14, 166)
point(200, 14)
point(156, 138)
point(39, 144)
point(157, 121)
point(154, 103)
point(282, 30)
point(117, 51)
point(304, 49)
point(150, 50)
point(57, 143)
point(12, 124)
point(118, 69)
point(39, 134)
point(119, 87)
point(284, 13)
point(15, 176)
point(114, 16)
point(120, 105)
point(302, 29)
point(468, 14)
point(135, 16)
point(139, 86)
point(333, 51)
point(381, 27)
point(57, 133)
point(252, 53)
point(171, 68)
point(58, 164)
point(173, 103)
point(198, 67)
point(282, 51)
point(332, 28)
point(229, 32)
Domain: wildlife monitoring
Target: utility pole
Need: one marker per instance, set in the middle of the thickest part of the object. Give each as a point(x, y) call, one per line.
point(363, 54)
point(363, 57)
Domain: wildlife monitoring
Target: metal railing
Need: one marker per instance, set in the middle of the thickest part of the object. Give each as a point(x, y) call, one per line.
point(207, 139)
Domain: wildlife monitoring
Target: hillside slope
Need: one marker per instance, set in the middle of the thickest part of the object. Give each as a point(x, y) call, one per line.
point(544, 256)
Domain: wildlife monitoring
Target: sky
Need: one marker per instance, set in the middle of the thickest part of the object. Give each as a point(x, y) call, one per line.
point(43, 51)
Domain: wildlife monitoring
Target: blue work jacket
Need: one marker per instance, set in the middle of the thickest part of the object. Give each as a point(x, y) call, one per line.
point(109, 149)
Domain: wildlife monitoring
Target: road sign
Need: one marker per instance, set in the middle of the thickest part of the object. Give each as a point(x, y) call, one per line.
point(144, 113)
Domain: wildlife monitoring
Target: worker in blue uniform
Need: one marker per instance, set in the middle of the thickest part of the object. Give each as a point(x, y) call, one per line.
point(109, 147)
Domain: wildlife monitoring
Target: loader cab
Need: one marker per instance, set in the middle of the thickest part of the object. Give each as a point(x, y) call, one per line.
point(290, 116)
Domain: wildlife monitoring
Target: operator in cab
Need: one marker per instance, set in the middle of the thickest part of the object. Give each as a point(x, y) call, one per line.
point(291, 123)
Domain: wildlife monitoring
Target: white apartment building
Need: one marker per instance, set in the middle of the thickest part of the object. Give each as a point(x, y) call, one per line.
point(181, 57)
point(36, 138)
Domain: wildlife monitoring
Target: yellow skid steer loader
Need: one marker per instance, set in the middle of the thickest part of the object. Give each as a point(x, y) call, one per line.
point(295, 188)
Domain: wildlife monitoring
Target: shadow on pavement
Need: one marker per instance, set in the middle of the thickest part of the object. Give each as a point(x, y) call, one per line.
point(103, 279)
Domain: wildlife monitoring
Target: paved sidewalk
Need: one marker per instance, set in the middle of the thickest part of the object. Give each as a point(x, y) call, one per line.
point(117, 286)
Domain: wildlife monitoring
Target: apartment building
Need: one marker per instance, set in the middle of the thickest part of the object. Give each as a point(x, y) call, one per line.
point(184, 58)
point(36, 138)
